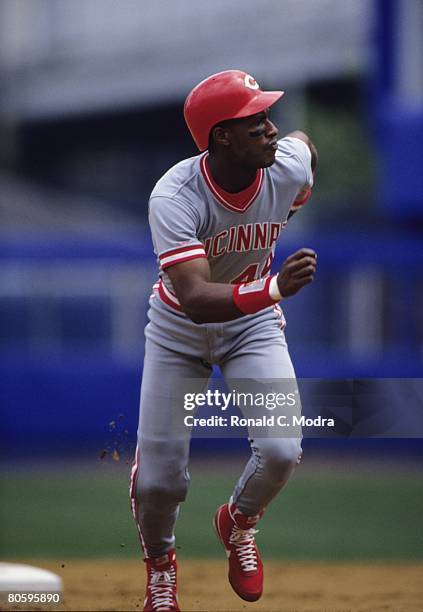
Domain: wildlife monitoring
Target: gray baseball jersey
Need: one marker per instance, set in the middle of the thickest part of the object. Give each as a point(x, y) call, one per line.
point(191, 217)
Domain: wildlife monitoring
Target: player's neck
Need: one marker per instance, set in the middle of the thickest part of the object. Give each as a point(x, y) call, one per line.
point(230, 176)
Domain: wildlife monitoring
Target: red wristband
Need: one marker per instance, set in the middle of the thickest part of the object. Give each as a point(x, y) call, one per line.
point(252, 297)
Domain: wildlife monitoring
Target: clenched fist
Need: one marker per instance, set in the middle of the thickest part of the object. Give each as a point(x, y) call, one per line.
point(297, 270)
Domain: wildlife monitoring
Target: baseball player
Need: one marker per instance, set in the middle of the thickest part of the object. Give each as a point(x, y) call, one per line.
point(215, 220)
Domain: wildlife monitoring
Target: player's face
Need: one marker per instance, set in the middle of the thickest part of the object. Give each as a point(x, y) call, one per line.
point(253, 140)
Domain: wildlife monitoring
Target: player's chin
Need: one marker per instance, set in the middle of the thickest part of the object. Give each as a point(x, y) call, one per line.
point(268, 159)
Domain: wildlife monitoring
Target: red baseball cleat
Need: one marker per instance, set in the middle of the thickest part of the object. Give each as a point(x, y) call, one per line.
point(236, 532)
point(161, 590)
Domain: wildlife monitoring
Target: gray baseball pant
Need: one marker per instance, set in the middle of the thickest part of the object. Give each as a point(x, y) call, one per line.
point(252, 347)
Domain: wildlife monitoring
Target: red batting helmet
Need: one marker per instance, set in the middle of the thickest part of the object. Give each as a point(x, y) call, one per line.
point(231, 94)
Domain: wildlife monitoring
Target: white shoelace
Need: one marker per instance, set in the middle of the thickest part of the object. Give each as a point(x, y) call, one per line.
point(243, 540)
point(161, 586)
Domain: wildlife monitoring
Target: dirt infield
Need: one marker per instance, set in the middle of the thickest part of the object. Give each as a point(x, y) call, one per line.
point(119, 585)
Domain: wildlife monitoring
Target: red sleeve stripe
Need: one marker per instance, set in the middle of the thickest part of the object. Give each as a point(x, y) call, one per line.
point(298, 203)
point(181, 249)
point(192, 253)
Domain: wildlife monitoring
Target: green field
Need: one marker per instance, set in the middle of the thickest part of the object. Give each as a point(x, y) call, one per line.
point(325, 513)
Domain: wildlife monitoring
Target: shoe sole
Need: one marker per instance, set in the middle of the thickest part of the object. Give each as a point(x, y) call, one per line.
point(245, 597)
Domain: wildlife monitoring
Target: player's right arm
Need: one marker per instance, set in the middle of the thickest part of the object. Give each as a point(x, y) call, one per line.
point(204, 301)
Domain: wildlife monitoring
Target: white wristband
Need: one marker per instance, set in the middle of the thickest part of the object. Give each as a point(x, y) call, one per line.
point(274, 292)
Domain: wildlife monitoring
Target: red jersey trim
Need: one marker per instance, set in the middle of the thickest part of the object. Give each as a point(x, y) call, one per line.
point(167, 297)
point(181, 254)
point(180, 249)
point(279, 316)
point(185, 258)
point(297, 204)
point(219, 193)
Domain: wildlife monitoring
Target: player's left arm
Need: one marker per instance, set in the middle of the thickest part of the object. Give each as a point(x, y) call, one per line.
point(305, 192)
point(314, 155)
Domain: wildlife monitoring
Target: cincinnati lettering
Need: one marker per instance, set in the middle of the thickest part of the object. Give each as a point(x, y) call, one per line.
point(242, 238)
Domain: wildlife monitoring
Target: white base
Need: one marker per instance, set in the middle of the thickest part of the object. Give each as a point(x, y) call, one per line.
point(24, 578)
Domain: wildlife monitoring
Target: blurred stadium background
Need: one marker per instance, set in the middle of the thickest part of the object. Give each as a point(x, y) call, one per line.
point(91, 95)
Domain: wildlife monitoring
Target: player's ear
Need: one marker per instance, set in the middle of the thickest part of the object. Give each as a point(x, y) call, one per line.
point(221, 135)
